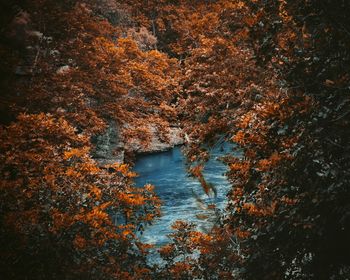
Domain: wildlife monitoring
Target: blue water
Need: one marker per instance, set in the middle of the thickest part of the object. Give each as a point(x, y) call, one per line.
point(167, 172)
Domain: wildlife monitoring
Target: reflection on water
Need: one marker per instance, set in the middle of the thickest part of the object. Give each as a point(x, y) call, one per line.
point(167, 172)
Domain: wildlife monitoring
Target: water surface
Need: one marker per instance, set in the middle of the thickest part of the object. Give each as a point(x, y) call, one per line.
point(167, 172)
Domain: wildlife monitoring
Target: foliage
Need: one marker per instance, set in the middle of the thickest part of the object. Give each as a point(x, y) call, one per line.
point(62, 215)
point(271, 76)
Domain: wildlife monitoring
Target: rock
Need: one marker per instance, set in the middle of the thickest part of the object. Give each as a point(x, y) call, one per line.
point(108, 148)
point(63, 70)
point(37, 35)
point(175, 135)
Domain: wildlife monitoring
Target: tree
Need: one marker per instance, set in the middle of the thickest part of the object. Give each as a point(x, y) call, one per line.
point(271, 76)
point(58, 206)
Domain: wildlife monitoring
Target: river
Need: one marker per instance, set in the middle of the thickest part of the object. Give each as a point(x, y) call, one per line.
point(179, 192)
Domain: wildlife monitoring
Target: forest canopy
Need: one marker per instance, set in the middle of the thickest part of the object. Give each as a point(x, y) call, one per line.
point(85, 85)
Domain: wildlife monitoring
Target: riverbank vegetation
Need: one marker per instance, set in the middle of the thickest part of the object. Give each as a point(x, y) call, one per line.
point(271, 76)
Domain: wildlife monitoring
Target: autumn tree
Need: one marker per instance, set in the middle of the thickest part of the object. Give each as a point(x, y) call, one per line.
point(271, 76)
point(300, 41)
point(62, 214)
